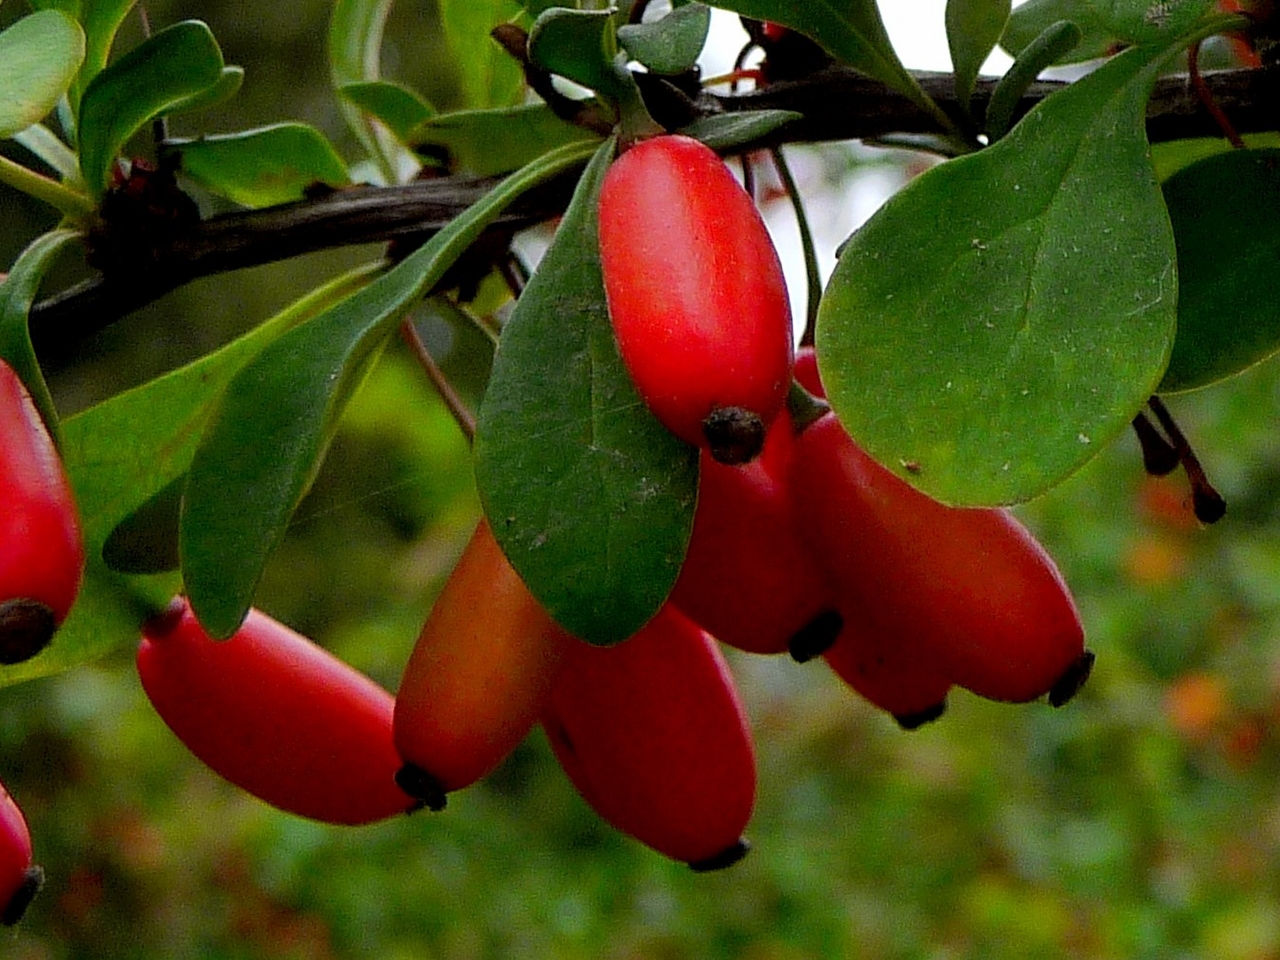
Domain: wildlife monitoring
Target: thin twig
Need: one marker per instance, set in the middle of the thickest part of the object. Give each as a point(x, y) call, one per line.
point(1207, 503)
point(457, 409)
point(813, 276)
point(1207, 98)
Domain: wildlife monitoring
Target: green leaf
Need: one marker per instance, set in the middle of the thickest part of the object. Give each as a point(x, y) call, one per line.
point(725, 131)
point(263, 167)
point(973, 30)
point(490, 78)
point(164, 70)
point(101, 20)
point(1004, 316)
point(851, 31)
point(355, 44)
point(43, 143)
point(576, 45)
point(1149, 21)
point(1224, 221)
point(590, 497)
point(1029, 20)
point(228, 85)
point(267, 437)
point(1174, 155)
point(1057, 40)
point(126, 451)
point(17, 294)
point(670, 45)
point(489, 142)
point(395, 106)
point(39, 57)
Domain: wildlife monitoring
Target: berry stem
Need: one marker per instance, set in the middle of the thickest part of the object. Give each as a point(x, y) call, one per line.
point(458, 410)
point(1208, 504)
point(813, 276)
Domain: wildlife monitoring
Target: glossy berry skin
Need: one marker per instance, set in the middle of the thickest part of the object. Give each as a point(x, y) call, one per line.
point(41, 552)
point(19, 879)
point(967, 594)
point(654, 737)
point(277, 715)
point(480, 674)
point(747, 578)
point(695, 290)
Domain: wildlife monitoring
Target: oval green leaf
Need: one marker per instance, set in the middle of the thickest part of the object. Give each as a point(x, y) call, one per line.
point(727, 131)
point(489, 142)
point(590, 497)
point(1005, 315)
point(489, 77)
point(1029, 20)
point(1149, 21)
point(973, 30)
point(101, 20)
point(263, 167)
point(1224, 221)
point(577, 45)
point(39, 58)
point(394, 105)
point(266, 439)
point(164, 70)
point(670, 45)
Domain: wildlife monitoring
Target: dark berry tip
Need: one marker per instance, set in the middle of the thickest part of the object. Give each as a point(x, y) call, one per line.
point(26, 627)
point(16, 908)
point(1069, 684)
point(1208, 505)
point(421, 785)
point(815, 637)
point(913, 721)
point(725, 858)
point(734, 435)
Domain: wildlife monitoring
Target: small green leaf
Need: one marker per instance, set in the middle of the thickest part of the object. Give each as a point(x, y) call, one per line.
point(576, 45)
point(1224, 221)
point(164, 70)
point(851, 31)
point(725, 131)
point(490, 142)
point(39, 57)
point(126, 451)
point(590, 497)
point(1004, 316)
point(101, 20)
point(1029, 20)
point(43, 143)
point(670, 45)
point(1149, 21)
point(1174, 155)
point(973, 30)
point(1056, 42)
point(17, 294)
point(397, 107)
point(355, 45)
point(263, 167)
point(228, 85)
point(490, 78)
point(266, 439)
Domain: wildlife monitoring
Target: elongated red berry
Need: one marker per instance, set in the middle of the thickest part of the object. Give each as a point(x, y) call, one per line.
point(654, 737)
point(20, 880)
point(41, 553)
point(696, 295)
point(747, 578)
point(479, 676)
point(965, 593)
point(276, 715)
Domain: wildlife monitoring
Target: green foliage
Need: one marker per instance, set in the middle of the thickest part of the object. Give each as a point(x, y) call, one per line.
point(167, 69)
point(1222, 210)
point(1146, 21)
point(262, 167)
point(1029, 20)
point(670, 45)
point(973, 29)
point(589, 496)
point(489, 77)
point(579, 45)
point(39, 58)
point(498, 140)
point(393, 104)
point(1055, 42)
point(996, 354)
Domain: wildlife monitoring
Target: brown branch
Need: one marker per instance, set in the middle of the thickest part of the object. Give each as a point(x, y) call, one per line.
point(836, 103)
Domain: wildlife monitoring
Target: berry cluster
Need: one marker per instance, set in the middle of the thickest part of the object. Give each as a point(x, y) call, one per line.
point(801, 544)
point(41, 564)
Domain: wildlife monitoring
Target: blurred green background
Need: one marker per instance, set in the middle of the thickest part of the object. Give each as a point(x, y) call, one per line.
point(1140, 821)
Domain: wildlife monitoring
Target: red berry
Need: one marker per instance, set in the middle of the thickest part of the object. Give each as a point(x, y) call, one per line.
point(696, 295)
point(479, 676)
point(276, 715)
point(964, 594)
point(20, 881)
point(747, 577)
point(41, 552)
point(654, 737)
